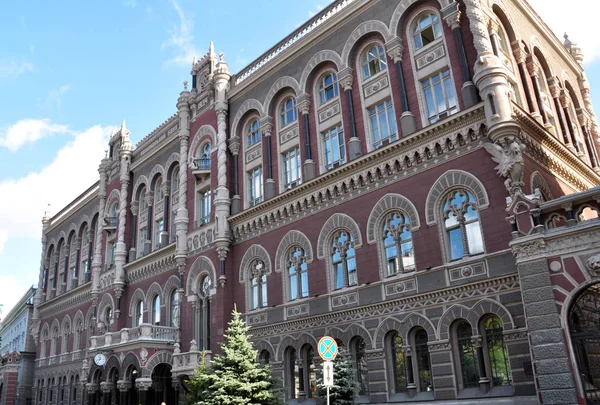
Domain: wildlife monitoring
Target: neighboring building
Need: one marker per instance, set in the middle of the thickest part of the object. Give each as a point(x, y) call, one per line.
point(355, 181)
point(17, 353)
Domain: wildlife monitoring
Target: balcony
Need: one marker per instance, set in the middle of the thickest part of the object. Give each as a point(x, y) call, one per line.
point(201, 168)
point(109, 223)
point(145, 334)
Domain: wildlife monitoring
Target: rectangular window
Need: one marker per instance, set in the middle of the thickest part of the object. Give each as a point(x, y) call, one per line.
point(334, 147)
point(141, 240)
point(293, 176)
point(440, 98)
point(205, 207)
point(73, 273)
point(255, 186)
point(159, 227)
point(383, 124)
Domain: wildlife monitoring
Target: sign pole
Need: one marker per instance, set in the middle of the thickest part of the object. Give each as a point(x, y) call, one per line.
point(328, 395)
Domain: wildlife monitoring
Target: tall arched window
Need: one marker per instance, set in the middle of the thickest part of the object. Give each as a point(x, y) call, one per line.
point(426, 30)
point(258, 285)
point(297, 273)
point(397, 241)
point(423, 363)
point(360, 365)
point(253, 133)
point(288, 112)
point(461, 222)
point(108, 317)
point(174, 200)
point(291, 373)
point(139, 313)
point(203, 313)
point(143, 231)
point(497, 353)
point(174, 309)
point(467, 355)
point(156, 310)
point(373, 61)
point(343, 258)
point(328, 87)
point(264, 357)
point(398, 363)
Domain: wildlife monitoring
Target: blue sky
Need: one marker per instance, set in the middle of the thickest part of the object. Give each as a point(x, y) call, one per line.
point(70, 71)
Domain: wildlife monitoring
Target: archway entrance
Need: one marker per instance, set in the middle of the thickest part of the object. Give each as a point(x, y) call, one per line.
point(584, 325)
point(162, 390)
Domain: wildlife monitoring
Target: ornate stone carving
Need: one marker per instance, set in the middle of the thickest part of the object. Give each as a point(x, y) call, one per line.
point(430, 57)
point(254, 153)
point(401, 287)
point(478, 24)
point(509, 156)
point(372, 88)
point(329, 112)
point(593, 265)
point(346, 299)
point(465, 272)
point(297, 310)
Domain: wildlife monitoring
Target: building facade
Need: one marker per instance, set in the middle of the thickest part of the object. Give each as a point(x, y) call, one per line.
point(392, 174)
point(17, 353)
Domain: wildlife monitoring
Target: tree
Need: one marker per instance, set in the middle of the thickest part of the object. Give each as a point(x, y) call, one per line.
point(345, 388)
point(236, 377)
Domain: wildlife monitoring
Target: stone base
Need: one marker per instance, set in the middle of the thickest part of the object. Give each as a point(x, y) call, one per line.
point(354, 148)
point(470, 94)
point(269, 189)
point(164, 239)
point(310, 170)
point(236, 204)
point(147, 247)
point(132, 255)
point(408, 124)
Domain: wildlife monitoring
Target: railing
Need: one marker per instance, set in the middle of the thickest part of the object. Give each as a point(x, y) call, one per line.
point(201, 164)
point(164, 333)
point(144, 332)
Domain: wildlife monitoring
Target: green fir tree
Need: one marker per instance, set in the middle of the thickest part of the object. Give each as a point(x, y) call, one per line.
point(236, 377)
point(345, 388)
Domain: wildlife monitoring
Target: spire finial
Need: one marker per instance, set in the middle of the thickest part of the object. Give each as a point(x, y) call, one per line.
point(47, 210)
point(194, 61)
point(185, 84)
point(211, 47)
point(105, 153)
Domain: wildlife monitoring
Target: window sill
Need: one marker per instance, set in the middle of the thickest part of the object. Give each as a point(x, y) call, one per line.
point(328, 103)
point(373, 78)
point(289, 125)
point(397, 276)
point(420, 396)
point(466, 259)
point(427, 48)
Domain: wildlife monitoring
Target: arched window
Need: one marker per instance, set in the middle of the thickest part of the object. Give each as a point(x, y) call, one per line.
point(398, 363)
point(328, 87)
point(461, 222)
point(264, 357)
point(467, 355)
point(360, 365)
point(422, 361)
point(156, 310)
point(253, 135)
point(203, 313)
point(174, 309)
point(373, 61)
point(426, 30)
point(343, 259)
point(77, 337)
point(108, 317)
point(397, 237)
point(258, 285)
point(307, 376)
point(291, 373)
point(288, 112)
point(174, 200)
point(297, 273)
point(143, 202)
point(497, 353)
point(139, 313)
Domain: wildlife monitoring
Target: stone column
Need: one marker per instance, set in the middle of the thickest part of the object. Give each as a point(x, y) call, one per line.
point(149, 222)
point(484, 381)
point(267, 128)
point(66, 255)
point(442, 372)
point(234, 148)
point(565, 102)
point(92, 390)
point(177, 387)
point(469, 91)
point(97, 261)
point(143, 385)
point(134, 226)
point(75, 280)
point(182, 218)
point(408, 125)
point(520, 56)
point(346, 78)
point(533, 69)
point(124, 386)
point(555, 93)
point(308, 168)
point(40, 293)
point(548, 347)
point(378, 381)
point(411, 386)
point(164, 236)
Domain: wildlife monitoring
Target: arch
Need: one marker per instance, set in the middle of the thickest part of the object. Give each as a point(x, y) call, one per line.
point(171, 284)
point(203, 130)
point(137, 296)
point(281, 83)
point(336, 333)
point(355, 330)
point(388, 324)
point(172, 161)
point(456, 311)
point(72, 230)
point(78, 317)
point(114, 195)
point(254, 252)
point(538, 181)
point(398, 13)
point(112, 363)
point(131, 360)
point(541, 59)
point(284, 343)
point(248, 105)
point(202, 265)
point(574, 98)
point(158, 358)
point(445, 183)
point(320, 57)
point(107, 300)
point(88, 318)
point(154, 290)
point(415, 319)
point(366, 27)
point(141, 181)
point(84, 222)
point(292, 238)
point(335, 222)
point(488, 306)
point(388, 203)
point(265, 345)
point(66, 322)
point(156, 170)
point(505, 19)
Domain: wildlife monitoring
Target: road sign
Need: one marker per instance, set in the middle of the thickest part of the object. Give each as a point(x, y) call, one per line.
point(328, 373)
point(327, 348)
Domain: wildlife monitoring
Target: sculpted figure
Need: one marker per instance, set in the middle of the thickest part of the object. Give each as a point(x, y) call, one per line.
point(509, 156)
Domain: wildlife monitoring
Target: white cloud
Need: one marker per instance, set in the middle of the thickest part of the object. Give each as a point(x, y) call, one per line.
point(579, 25)
point(54, 97)
point(12, 292)
point(73, 170)
point(3, 239)
point(11, 69)
point(181, 39)
point(28, 131)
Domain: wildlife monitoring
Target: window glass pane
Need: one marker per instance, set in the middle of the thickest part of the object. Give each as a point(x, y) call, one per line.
point(423, 363)
point(497, 352)
point(449, 87)
point(339, 275)
point(439, 96)
point(424, 22)
point(418, 41)
point(254, 293)
point(474, 238)
point(456, 244)
point(431, 111)
point(408, 256)
point(383, 124)
point(304, 280)
point(264, 290)
point(466, 352)
point(399, 364)
point(437, 29)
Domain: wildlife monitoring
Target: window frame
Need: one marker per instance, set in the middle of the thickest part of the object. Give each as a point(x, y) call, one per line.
point(258, 285)
point(138, 313)
point(470, 201)
point(285, 111)
point(416, 29)
point(301, 274)
point(252, 133)
point(341, 248)
point(327, 145)
point(445, 83)
point(255, 178)
point(374, 112)
point(372, 67)
point(398, 242)
point(323, 88)
point(292, 158)
point(156, 315)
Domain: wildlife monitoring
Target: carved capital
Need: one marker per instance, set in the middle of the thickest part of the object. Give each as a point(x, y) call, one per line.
point(395, 49)
point(303, 103)
point(453, 20)
point(234, 145)
point(346, 78)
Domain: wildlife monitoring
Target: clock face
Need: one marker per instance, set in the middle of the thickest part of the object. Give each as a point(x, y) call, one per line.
point(99, 359)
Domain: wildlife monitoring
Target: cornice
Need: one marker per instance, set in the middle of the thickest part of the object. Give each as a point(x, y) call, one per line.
point(150, 265)
point(402, 305)
point(155, 144)
point(369, 172)
point(19, 308)
point(71, 298)
point(79, 202)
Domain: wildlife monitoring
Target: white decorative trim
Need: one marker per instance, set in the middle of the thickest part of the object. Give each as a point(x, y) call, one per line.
point(154, 290)
point(280, 83)
point(201, 266)
point(360, 31)
point(254, 252)
point(156, 170)
point(317, 59)
point(196, 142)
point(248, 105)
point(142, 180)
point(137, 296)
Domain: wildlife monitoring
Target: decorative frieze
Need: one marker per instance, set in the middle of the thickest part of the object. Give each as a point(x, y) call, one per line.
point(200, 239)
point(373, 87)
point(288, 134)
point(330, 111)
point(401, 287)
point(254, 153)
point(297, 310)
point(257, 319)
point(430, 57)
point(344, 300)
point(469, 271)
point(151, 265)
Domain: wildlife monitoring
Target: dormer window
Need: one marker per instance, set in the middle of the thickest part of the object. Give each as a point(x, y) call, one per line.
point(427, 30)
point(373, 61)
point(253, 133)
point(328, 87)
